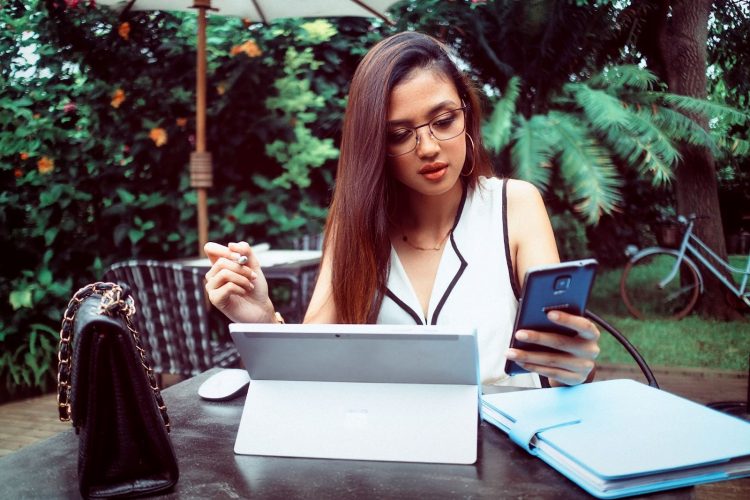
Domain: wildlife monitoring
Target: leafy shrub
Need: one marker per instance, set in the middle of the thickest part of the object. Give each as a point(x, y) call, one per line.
point(96, 129)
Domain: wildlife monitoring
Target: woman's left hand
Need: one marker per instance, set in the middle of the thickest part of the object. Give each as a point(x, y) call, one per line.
point(574, 364)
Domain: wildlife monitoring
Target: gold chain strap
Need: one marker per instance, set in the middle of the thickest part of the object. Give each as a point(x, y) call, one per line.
point(114, 302)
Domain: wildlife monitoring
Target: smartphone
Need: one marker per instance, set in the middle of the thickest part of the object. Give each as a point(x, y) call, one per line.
point(564, 287)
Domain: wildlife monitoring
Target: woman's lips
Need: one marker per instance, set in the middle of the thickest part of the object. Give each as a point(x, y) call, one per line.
point(434, 171)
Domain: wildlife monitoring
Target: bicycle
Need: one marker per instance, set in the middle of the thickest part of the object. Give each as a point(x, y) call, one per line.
point(665, 283)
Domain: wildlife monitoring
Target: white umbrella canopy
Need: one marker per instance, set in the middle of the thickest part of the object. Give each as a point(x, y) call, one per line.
point(267, 10)
point(201, 177)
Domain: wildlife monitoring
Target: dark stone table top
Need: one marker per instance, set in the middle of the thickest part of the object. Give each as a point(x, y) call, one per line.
point(203, 435)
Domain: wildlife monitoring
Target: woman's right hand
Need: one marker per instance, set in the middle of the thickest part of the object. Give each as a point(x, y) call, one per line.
point(238, 290)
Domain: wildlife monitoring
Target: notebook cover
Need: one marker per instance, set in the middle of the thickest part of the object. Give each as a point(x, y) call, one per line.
point(617, 430)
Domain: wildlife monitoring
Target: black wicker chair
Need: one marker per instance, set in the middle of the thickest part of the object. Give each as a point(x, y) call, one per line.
point(173, 317)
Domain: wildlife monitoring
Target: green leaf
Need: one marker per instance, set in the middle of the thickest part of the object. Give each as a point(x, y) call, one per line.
point(135, 235)
point(125, 196)
point(50, 234)
point(45, 277)
point(20, 299)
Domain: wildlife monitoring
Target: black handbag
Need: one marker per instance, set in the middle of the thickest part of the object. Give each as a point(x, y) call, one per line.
point(108, 390)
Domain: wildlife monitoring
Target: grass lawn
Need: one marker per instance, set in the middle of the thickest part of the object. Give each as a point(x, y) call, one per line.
point(691, 342)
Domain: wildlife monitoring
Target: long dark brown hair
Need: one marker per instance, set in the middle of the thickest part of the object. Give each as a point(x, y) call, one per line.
point(357, 230)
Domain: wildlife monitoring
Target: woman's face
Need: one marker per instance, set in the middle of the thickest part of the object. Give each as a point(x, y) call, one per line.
point(434, 166)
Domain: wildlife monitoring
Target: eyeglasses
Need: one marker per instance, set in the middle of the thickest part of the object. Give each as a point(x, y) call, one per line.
point(402, 140)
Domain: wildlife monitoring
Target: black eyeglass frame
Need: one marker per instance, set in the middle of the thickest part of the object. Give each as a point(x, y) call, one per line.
point(432, 134)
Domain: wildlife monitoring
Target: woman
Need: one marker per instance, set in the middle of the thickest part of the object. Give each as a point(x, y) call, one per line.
point(418, 230)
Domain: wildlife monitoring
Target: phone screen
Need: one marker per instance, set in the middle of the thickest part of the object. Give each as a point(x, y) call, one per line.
point(564, 287)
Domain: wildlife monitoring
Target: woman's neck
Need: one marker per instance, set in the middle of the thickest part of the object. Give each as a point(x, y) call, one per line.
point(431, 216)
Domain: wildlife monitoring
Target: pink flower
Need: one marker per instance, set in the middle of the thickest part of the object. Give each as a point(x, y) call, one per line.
point(69, 107)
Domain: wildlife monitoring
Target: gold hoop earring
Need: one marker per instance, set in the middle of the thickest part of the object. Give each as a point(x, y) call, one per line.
point(472, 157)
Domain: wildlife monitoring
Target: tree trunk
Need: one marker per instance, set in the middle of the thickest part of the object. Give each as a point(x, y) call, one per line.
point(682, 47)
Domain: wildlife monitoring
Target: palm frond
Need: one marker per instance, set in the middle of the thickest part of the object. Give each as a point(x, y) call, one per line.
point(623, 76)
point(682, 128)
point(602, 109)
point(497, 130)
point(707, 108)
point(587, 166)
point(734, 145)
point(532, 150)
point(647, 156)
point(658, 152)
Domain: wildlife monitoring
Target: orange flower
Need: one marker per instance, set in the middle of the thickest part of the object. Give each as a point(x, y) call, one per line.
point(159, 136)
point(220, 89)
point(181, 122)
point(45, 165)
point(18, 173)
point(36, 116)
point(24, 155)
point(249, 48)
point(117, 98)
point(124, 30)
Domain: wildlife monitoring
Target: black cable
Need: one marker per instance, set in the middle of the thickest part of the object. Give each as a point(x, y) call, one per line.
point(627, 345)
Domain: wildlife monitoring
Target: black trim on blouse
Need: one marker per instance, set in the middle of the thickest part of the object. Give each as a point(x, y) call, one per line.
point(461, 269)
point(404, 306)
point(506, 240)
point(448, 290)
point(417, 317)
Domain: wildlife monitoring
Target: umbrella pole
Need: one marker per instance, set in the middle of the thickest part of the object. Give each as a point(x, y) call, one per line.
point(200, 159)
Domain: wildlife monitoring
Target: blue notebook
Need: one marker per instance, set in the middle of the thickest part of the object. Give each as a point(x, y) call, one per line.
point(619, 437)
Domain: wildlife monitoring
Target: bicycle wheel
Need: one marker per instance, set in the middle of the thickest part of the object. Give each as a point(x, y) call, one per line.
point(645, 299)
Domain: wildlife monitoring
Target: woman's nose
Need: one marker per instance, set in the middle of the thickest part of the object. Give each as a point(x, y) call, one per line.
point(427, 145)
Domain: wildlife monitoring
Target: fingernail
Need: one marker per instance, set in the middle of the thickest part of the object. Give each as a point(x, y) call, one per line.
point(242, 260)
point(553, 315)
point(511, 354)
point(253, 274)
point(522, 335)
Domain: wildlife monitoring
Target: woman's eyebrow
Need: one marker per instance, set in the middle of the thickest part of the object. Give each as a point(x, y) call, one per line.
point(446, 105)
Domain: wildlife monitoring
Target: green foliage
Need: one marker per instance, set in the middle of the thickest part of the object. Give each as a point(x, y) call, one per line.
point(96, 129)
point(580, 108)
point(497, 129)
point(613, 117)
point(570, 234)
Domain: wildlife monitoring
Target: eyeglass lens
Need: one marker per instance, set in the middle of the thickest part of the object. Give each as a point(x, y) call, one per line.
point(444, 126)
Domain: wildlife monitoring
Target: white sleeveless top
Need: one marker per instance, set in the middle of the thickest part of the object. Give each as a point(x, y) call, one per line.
point(473, 284)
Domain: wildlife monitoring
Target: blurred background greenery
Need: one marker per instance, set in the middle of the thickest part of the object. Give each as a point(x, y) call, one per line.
point(97, 124)
point(696, 342)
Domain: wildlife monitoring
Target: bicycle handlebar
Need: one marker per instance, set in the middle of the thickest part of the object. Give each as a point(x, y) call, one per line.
point(684, 220)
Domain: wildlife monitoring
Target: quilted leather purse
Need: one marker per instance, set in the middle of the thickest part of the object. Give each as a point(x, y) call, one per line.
point(108, 390)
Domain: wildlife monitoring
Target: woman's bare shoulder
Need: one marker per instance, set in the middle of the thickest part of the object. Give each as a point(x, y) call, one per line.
point(522, 195)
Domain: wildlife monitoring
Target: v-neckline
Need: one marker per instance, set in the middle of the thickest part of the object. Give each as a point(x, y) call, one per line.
point(415, 302)
point(450, 267)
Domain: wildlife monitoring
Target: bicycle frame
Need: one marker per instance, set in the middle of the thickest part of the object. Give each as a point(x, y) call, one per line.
point(686, 245)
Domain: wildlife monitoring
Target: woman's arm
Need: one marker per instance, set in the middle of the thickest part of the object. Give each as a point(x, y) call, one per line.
point(322, 308)
point(532, 243)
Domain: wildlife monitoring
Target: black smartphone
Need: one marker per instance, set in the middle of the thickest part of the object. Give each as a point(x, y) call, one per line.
point(564, 287)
